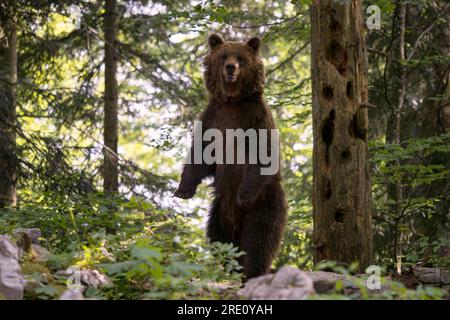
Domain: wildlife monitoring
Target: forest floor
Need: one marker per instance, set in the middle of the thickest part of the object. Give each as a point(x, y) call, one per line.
point(32, 273)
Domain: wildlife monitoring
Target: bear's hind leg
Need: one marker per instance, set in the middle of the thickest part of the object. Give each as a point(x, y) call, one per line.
point(214, 229)
point(261, 236)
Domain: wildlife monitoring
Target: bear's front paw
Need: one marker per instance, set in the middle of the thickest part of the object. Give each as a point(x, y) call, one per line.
point(245, 198)
point(184, 193)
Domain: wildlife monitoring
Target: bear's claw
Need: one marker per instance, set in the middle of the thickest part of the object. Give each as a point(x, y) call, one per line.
point(244, 199)
point(184, 194)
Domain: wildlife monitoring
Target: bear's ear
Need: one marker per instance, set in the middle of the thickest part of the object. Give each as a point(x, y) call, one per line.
point(254, 43)
point(214, 40)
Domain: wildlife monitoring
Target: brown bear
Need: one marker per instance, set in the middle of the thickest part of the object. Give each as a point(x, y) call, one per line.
point(249, 208)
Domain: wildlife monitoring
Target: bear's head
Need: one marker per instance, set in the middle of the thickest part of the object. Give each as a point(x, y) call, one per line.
point(233, 70)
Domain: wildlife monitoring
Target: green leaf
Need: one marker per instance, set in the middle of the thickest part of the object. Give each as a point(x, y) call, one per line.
point(145, 253)
point(117, 268)
point(47, 290)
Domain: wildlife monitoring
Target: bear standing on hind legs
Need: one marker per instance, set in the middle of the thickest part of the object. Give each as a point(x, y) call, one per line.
point(249, 208)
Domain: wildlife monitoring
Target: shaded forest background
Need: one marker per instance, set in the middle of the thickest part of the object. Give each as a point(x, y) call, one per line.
point(142, 232)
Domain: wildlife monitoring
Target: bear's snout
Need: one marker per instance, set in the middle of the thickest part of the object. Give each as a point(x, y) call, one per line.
point(231, 70)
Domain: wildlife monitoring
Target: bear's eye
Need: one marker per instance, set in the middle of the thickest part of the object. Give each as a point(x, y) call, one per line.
point(224, 57)
point(239, 58)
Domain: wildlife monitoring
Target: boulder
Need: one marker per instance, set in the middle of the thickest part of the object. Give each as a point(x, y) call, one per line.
point(11, 279)
point(72, 294)
point(325, 282)
point(88, 278)
point(28, 244)
point(33, 233)
point(432, 275)
point(291, 283)
point(288, 283)
point(40, 254)
point(94, 279)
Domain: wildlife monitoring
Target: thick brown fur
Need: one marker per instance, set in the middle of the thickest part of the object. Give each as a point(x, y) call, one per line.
point(249, 209)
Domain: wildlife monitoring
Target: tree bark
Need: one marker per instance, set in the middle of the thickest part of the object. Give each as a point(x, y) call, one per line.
point(398, 190)
point(394, 130)
point(8, 82)
point(342, 211)
point(110, 164)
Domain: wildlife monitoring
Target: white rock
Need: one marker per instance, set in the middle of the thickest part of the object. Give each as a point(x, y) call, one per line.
point(72, 294)
point(11, 280)
point(88, 278)
point(7, 248)
point(42, 254)
point(288, 283)
point(95, 279)
point(324, 281)
point(432, 275)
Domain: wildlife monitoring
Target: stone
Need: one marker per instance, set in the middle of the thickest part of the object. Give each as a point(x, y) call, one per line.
point(28, 244)
point(40, 253)
point(95, 279)
point(33, 233)
point(88, 278)
point(72, 294)
point(432, 275)
point(11, 279)
point(7, 248)
point(288, 283)
point(325, 282)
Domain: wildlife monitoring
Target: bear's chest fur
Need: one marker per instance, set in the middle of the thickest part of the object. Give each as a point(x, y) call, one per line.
point(228, 176)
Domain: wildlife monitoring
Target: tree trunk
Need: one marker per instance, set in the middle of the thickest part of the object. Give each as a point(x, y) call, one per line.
point(398, 190)
point(394, 130)
point(341, 187)
point(110, 164)
point(8, 82)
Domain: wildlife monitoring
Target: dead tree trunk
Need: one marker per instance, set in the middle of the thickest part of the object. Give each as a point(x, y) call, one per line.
point(342, 191)
point(110, 163)
point(8, 82)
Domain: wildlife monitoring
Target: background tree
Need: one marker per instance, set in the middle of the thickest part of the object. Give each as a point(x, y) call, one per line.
point(111, 120)
point(409, 145)
point(8, 82)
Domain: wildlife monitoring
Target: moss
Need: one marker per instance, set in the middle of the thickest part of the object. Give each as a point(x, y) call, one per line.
point(30, 268)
